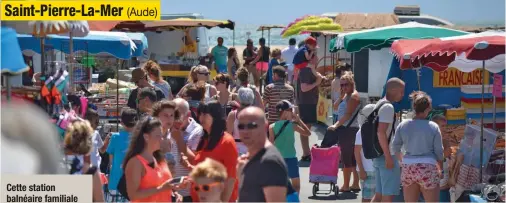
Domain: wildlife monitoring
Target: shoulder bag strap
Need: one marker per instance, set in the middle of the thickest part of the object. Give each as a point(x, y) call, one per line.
point(392, 131)
point(354, 116)
point(281, 130)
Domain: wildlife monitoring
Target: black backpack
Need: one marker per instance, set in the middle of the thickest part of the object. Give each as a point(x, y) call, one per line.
point(369, 132)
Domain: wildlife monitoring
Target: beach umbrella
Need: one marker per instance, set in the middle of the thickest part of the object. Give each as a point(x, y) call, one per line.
point(383, 37)
point(439, 54)
point(312, 24)
point(43, 28)
point(293, 23)
point(481, 47)
point(12, 61)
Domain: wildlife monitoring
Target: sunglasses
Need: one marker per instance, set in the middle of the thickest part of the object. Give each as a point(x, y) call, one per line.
point(248, 126)
point(345, 84)
point(205, 187)
point(206, 74)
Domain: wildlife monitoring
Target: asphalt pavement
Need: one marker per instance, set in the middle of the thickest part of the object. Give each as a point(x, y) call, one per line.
point(306, 191)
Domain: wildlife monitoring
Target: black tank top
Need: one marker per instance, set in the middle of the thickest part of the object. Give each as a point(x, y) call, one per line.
point(266, 51)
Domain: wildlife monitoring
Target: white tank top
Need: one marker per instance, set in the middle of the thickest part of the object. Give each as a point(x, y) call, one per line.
point(241, 148)
point(207, 95)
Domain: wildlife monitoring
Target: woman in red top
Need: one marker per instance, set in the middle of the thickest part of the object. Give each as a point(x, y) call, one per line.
point(218, 145)
point(146, 179)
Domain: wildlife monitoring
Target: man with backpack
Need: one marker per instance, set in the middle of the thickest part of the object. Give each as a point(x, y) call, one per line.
point(377, 132)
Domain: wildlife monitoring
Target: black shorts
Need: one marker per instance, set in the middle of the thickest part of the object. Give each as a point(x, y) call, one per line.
point(307, 113)
point(347, 145)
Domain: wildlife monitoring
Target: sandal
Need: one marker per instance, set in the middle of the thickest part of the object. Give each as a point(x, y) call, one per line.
point(355, 190)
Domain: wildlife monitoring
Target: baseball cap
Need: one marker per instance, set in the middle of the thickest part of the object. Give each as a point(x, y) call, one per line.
point(365, 112)
point(312, 41)
point(137, 74)
point(284, 105)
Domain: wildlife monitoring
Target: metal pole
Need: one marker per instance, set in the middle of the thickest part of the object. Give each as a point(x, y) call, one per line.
point(9, 88)
point(269, 37)
point(494, 113)
point(325, 54)
point(71, 61)
point(481, 125)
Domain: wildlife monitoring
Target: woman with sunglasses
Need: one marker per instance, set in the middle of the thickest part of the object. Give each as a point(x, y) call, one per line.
point(215, 144)
point(209, 179)
point(147, 179)
point(347, 126)
point(199, 75)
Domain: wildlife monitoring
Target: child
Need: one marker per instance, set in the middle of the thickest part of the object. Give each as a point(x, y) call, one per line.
point(365, 166)
point(304, 55)
point(209, 180)
point(98, 146)
point(444, 194)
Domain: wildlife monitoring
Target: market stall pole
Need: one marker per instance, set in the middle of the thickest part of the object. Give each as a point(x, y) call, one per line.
point(440, 54)
point(262, 28)
point(11, 57)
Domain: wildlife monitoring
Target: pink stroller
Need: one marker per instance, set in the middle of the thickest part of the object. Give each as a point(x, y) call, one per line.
point(324, 168)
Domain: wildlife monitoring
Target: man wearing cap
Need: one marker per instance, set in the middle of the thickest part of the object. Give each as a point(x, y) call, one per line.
point(277, 91)
point(308, 80)
point(140, 78)
point(282, 135)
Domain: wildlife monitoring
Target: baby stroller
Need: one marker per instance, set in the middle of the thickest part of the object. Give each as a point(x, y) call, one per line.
point(324, 168)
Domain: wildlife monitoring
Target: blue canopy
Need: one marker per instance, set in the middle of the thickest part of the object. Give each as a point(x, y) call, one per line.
point(116, 44)
point(11, 58)
point(140, 40)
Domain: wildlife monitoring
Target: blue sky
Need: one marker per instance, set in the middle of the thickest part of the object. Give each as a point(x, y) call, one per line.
point(466, 12)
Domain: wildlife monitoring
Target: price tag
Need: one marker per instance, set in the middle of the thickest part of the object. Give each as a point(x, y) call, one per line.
point(497, 88)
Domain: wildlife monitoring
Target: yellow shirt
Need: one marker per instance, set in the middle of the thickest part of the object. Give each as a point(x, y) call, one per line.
point(189, 48)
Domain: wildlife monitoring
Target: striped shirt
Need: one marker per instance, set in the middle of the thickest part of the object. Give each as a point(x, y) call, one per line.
point(274, 93)
point(180, 170)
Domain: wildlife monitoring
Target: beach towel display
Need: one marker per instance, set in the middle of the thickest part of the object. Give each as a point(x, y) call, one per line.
point(471, 102)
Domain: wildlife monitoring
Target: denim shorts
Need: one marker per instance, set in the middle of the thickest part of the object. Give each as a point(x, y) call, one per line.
point(388, 181)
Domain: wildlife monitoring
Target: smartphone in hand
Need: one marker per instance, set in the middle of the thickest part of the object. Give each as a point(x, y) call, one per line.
point(177, 181)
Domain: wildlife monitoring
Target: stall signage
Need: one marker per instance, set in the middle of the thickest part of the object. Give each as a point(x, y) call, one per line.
point(497, 89)
point(452, 77)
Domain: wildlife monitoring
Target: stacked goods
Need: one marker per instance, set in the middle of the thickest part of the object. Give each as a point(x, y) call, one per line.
point(471, 101)
point(453, 134)
point(98, 88)
point(113, 84)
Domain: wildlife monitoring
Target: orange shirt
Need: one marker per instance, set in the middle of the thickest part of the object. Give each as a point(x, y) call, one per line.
point(226, 153)
point(154, 177)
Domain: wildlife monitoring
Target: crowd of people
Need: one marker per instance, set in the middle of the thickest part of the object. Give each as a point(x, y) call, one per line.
point(214, 139)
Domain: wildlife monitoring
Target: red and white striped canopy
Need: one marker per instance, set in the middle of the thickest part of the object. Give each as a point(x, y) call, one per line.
point(439, 54)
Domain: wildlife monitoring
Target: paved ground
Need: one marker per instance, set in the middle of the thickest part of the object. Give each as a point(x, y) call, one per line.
point(307, 188)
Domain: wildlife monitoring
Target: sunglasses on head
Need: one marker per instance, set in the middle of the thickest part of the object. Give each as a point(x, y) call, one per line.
point(247, 126)
point(205, 187)
point(206, 73)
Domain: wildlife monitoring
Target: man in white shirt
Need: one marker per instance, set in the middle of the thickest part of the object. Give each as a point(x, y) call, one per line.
point(365, 167)
point(287, 54)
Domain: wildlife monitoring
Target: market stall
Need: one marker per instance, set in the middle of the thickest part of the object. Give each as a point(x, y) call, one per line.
point(478, 148)
point(109, 99)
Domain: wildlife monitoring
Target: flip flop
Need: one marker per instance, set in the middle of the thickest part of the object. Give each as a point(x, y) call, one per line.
point(341, 190)
point(355, 190)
